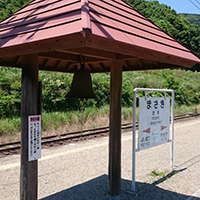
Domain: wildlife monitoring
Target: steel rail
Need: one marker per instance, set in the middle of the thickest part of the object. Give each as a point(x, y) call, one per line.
point(11, 147)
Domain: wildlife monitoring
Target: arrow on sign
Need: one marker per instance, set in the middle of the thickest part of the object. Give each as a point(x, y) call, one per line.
point(163, 127)
point(147, 130)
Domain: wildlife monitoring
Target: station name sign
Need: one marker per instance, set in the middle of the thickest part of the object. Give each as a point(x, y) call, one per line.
point(154, 121)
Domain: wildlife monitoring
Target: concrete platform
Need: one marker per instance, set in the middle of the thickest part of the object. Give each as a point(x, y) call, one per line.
point(79, 171)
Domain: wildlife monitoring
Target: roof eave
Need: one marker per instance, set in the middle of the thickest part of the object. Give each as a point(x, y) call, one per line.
point(76, 40)
point(130, 50)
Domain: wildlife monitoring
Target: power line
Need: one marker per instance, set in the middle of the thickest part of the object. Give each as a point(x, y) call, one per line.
point(194, 4)
point(197, 2)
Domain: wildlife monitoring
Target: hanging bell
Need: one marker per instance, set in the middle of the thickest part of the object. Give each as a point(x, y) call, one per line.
point(81, 86)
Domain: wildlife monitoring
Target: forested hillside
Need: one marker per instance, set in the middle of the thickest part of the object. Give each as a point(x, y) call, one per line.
point(170, 21)
point(7, 7)
point(193, 18)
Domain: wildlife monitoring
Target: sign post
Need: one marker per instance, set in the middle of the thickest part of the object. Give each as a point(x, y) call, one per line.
point(29, 106)
point(154, 123)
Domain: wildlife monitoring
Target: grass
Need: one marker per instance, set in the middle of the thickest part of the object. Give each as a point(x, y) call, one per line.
point(60, 122)
point(161, 174)
point(10, 125)
point(186, 109)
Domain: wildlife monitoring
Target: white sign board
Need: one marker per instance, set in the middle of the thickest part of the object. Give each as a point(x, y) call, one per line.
point(34, 137)
point(154, 121)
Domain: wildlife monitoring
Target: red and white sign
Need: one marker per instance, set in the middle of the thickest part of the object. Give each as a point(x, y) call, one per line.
point(154, 121)
point(34, 137)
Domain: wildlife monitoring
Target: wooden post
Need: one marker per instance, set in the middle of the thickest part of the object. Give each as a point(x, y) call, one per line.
point(114, 173)
point(29, 106)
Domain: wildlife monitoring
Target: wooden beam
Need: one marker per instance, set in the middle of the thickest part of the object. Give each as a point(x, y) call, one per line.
point(60, 56)
point(29, 106)
point(93, 53)
point(68, 56)
point(114, 173)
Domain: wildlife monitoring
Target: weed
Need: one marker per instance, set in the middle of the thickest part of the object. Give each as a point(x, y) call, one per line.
point(159, 173)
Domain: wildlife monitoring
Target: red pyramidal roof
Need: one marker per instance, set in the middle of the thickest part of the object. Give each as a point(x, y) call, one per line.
point(60, 30)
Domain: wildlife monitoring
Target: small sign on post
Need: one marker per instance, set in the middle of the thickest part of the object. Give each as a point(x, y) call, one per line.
point(34, 137)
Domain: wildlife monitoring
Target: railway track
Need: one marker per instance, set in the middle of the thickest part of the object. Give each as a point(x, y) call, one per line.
point(55, 140)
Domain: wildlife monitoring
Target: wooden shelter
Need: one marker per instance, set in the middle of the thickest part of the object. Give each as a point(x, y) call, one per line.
point(112, 36)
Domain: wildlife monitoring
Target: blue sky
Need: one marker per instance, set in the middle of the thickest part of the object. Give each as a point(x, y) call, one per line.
point(183, 6)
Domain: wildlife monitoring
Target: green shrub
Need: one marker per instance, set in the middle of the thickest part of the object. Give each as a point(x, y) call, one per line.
point(55, 87)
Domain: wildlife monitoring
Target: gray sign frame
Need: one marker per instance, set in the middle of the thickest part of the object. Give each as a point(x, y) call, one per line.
point(171, 137)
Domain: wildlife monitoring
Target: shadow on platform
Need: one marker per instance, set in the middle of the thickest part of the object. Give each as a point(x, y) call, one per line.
point(96, 189)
